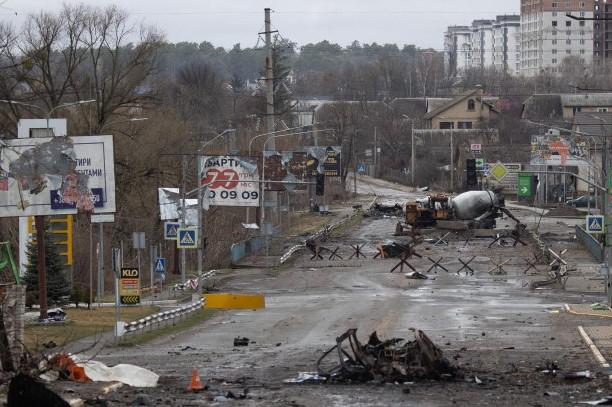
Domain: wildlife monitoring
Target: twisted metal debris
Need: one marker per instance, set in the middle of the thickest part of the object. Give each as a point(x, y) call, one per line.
point(386, 361)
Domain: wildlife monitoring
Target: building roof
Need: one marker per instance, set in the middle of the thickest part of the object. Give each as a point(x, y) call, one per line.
point(589, 123)
point(542, 107)
point(435, 106)
point(415, 108)
point(590, 99)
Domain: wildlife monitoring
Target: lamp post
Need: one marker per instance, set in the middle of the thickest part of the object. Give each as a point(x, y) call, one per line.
point(133, 119)
point(40, 219)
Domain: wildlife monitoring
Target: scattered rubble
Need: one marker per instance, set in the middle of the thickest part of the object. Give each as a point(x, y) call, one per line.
point(393, 360)
point(240, 341)
point(415, 275)
point(385, 209)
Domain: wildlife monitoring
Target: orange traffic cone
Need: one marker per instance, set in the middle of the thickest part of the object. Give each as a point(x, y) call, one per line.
point(196, 383)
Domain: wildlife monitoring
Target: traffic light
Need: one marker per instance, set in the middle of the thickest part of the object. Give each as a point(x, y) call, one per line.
point(320, 189)
point(471, 178)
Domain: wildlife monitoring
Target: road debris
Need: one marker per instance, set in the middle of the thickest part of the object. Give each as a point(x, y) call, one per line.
point(415, 275)
point(240, 341)
point(385, 210)
point(393, 360)
point(306, 377)
point(606, 401)
point(585, 374)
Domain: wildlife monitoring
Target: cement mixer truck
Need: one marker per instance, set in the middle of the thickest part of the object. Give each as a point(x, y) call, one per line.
point(473, 210)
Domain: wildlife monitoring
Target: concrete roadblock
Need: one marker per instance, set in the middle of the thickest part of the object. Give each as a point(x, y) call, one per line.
point(234, 301)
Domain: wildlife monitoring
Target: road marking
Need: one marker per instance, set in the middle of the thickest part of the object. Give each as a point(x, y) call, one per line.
point(600, 358)
point(568, 309)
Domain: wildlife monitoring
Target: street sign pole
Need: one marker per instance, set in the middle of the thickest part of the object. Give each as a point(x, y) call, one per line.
point(116, 266)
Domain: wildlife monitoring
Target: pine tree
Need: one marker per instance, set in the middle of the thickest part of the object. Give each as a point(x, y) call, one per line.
point(58, 285)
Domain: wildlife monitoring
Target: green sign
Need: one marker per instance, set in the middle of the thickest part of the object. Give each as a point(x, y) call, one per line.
point(524, 185)
point(479, 164)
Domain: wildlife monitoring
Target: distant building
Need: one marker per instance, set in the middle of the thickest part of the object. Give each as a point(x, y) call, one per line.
point(458, 49)
point(559, 108)
point(482, 43)
point(507, 44)
point(486, 44)
point(602, 30)
point(465, 112)
point(548, 35)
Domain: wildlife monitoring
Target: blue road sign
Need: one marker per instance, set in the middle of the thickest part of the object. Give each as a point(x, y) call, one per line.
point(187, 239)
point(171, 230)
point(361, 168)
point(595, 224)
point(160, 265)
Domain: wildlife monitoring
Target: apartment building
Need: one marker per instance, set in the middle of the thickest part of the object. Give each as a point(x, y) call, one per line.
point(602, 30)
point(458, 49)
point(482, 43)
point(507, 44)
point(549, 35)
point(485, 44)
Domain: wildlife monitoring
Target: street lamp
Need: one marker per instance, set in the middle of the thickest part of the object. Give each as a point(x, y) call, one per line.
point(133, 119)
point(40, 219)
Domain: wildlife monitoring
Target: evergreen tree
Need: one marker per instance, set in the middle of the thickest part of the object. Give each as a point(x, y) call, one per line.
point(58, 285)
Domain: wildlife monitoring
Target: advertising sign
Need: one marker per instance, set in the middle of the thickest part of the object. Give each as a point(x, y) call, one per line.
point(129, 286)
point(229, 181)
point(300, 166)
point(57, 176)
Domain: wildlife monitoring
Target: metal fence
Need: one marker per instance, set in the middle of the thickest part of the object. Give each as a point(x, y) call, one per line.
point(242, 249)
point(161, 319)
point(590, 243)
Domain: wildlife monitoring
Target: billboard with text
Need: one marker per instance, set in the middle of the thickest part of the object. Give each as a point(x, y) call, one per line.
point(57, 176)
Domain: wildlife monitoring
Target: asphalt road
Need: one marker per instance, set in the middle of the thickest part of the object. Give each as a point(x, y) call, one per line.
point(492, 326)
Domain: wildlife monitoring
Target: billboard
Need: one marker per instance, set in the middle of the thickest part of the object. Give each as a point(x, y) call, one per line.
point(300, 166)
point(553, 149)
point(57, 176)
point(229, 181)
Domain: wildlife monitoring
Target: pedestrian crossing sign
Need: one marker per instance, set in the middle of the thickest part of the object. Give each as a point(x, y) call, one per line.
point(595, 224)
point(171, 230)
point(160, 265)
point(187, 238)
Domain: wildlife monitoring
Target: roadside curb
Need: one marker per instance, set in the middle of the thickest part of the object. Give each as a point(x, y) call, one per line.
point(587, 314)
point(596, 353)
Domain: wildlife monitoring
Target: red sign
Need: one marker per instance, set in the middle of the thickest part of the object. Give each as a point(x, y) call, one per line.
point(216, 178)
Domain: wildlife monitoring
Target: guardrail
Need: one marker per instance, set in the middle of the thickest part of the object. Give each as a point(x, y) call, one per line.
point(592, 245)
point(156, 321)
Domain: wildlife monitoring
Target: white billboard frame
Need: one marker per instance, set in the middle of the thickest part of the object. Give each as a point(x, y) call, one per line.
point(94, 158)
point(239, 189)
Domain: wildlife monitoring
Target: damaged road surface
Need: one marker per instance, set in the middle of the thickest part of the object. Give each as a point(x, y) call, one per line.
point(393, 360)
point(495, 333)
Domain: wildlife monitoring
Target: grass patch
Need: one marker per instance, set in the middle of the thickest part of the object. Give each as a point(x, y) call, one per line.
point(306, 223)
point(81, 323)
point(348, 225)
point(190, 321)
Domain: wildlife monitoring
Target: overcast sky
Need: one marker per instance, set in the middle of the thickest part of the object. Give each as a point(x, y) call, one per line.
point(227, 22)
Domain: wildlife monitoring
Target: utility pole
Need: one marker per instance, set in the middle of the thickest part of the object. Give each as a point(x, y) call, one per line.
point(41, 263)
point(452, 161)
point(354, 165)
point(269, 105)
point(375, 152)
point(184, 197)
point(412, 153)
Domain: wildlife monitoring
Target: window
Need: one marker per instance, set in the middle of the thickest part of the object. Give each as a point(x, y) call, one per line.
point(554, 51)
point(554, 23)
point(554, 42)
point(577, 109)
point(471, 105)
point(554, 61)
point(582, 23)
point(568, 41)
point(568, 51)
point(447, 125)
point(464, 125)
point(602, 109)
point(568, 23)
